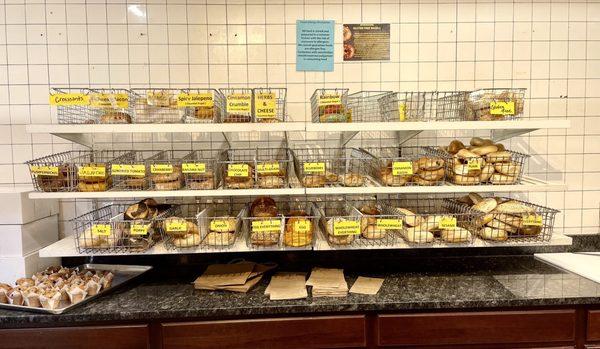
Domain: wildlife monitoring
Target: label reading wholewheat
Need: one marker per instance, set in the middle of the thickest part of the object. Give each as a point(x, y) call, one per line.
point(314, 167)
point(193, 167)
point(346, 228)
point(302, 226)
point(238, 170)
point(195, 100)
point(128, 170)
point(266, 226)
point(109, 100)
point(267, 168)
point(474, 164)
point(139, 229)
point(44, 170)
point(92, 171)
point(239, 103)
point(402, 168)
point(161, 168)
point(502, 108)
point(219, 225)
point(330, 99)
point(176, 226)
point(389, 223)
point(101, 229)
point(447, 223)
point(532, 220)
point(69, 99)
point(265, 106)
point(401, 111)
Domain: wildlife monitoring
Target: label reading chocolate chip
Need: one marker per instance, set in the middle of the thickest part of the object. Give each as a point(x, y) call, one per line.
point(346, 228)
point(92, 171)
point(69, 99)
point(474, 164)
point(195, 167)
point(51, 171)
point(267, 167)
point(101, 229)
point(330, 99)
point(389, 224)
point(400, 168)
point(532, 220)
point(161, 168)
point(176, 226)
point(139, 229)
point(238, 170)
point(239, 103)
point(266, 226)
point(447, 223)
point(195, 100)
point(128, 170)
point(265, 106)
point(314, 167)
point(502, 108)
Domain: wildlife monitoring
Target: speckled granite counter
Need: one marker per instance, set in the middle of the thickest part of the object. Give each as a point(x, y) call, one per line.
point(480, 283)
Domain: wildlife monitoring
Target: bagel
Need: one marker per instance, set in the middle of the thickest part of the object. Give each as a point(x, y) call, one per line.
point(486, 205)
point(456, 235)
point(416, 235)
point(489, 233)
point(499, 156)
point(477, 141)
point(434, 175)
point(486, 172)
point(219, 238)
point(484, 150)
point(188, 240)
point(508, 168)
point(498, 178)
point(390, 180)
point(465, 180)
point(371, 232)
point(410, 218)
point(173, 185)
point(420, 181)
point(455, 146)
point(429, 163)
point(497, 224)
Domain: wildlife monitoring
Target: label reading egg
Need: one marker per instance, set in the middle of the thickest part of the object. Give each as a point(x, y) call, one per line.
point(302, 226)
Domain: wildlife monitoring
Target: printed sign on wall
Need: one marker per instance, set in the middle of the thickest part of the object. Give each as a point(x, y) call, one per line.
point(367, 42)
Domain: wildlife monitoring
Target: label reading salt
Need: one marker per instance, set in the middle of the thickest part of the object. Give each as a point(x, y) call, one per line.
point(502, 108)
point(400, 168)
point(330, 100)
point(69, 99)
point(389, 223)
point(139, 229)
point(402, 111)
point(302, 226)
point(447, 223)
point(101, 229)
point(474, 164)
point(314, 167)
point(532, 220)
point(44, 170)
point(128, 170)
point(176, 226)
point(219, 225)
point(195, 100)
point(109, 100)
point(239, 103)
point(265, 105)
point(267, 168)
point(161, 168)
point(266, 226)
point(238, 170)
point(193, 167)
point(346, 228)
point(91, 171)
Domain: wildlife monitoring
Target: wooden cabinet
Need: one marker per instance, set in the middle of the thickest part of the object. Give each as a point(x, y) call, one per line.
point(89, 337)
point(285, 333)
point(514, 327)
point(593, 326)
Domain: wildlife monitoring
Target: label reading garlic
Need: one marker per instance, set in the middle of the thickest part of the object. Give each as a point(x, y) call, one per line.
point(265, 105)
point(389, 224)
point(161, 168)
point(219, 225)
point(532, 220)
point(330, 99)
point(195, 100)
point(101, 229)
point(239, 103)
point(193, 167)
point(92, 171)
point(238, 170)
point(502, 108)
point(128, 170)
point(139, 229)
point(176, 226)
point(346, 228)
point(402, 111)
point(69, 99)
point(51, 171)
point(314, 167)
point(109, 100)
point(302, 226)
point(400, 168)
point(474, 164)
point(447, 223)
point(266, 226)
point(267, 167)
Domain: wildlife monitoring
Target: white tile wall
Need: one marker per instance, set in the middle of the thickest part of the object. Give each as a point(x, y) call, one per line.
point(550, 47)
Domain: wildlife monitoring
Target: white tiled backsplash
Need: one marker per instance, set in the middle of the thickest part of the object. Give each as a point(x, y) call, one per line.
point(550, 47)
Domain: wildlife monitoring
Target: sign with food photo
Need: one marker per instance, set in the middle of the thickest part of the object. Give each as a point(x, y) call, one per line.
point(366, 42)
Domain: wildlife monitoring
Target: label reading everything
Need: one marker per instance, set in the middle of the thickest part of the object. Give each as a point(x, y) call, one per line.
point(266, 226)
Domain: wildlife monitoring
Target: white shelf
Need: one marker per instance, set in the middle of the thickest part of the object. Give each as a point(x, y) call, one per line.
point(528, 184)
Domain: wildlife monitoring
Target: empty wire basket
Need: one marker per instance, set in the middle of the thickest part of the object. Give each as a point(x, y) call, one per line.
point(238, 104)
point(330, 105)
point(158, 105)
point(269, 104)
point(203, 105)
point(365, 106)
point(92, 106)
point(423, 106)
point(320, 167)
point(495, 104)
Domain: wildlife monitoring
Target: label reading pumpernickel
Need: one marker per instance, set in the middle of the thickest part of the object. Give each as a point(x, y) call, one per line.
point(346, 228)
point(238, 170)
point(128, 170)
point(176, 226)
point(195, 100)
point(502, 108)
point(44, 170)
point(402, 168)
point(265, 105)
point(161, 168)
point(193, 167)
point(330, 99)
point(266, 226)
point(239, 103)
point(267, 167)
point(101, 229)
point(139, 229)
point(532, 220)
point(92, 171)
point(69, 99)
point(389, 223)
point(109, 100)
point(447, 223)
point(314, 167)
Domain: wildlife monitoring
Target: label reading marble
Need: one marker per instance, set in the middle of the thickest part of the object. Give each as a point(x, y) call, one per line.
point(346, 228)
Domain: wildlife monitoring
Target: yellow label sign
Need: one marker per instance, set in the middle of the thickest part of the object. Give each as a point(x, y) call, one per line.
point(346, 228)
point(220, 225)
point(330, 99)
point(532, 220)
point(447, 223)
point(265, 105)
point(302, 226)
point(195, 100)
point(314, 167)
point(139, 229)
point(266, 226)
point(91, 171)
point(109, 100)
point(238, 170)
point(239, 103)
point(267, 167)
point(389, 223)
point(401, 168)
point(176, 226)
point(474, 164)
point(101, 229)
point(69, 99)
point(44, 170)
point(161, 168)
point(193, 167)
point(502, 108)
point(128, 170)
point(402, 111)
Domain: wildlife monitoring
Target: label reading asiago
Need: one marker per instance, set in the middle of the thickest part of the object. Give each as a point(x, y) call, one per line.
point(265, 106)
point(239, 102)
point(195, 100)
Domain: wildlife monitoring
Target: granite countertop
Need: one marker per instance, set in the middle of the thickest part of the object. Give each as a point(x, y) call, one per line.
point(507, 282)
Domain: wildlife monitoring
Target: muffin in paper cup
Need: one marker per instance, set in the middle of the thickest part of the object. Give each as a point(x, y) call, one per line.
point(5, 289)
point(76, 294)
point(32, 297)
point(51, 299)
point(15, 297)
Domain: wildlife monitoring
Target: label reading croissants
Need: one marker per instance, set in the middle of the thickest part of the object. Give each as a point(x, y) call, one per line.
point(139, 229)
point(91, 171)
point(161, 168)
point(401, 168)
point(265, 105)
point(267, 167)
point(128, 170)
point(389, 223)
point(502, 108)
point(238, 170)
point(195, 100)
point(330, 99)
point(193, 167)
point(447, 223)
point(239, 103)
point(44, 170)
point(302, 226)
point(69, 99)
point(176, 226)
point(346, 228)
point(101, 229)
point(109, 100)
point(314, 167)
point(266, 226)
point(532, 220)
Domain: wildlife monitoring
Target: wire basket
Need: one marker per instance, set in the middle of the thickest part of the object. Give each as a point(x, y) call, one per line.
point(495, 104)
point(273, 166)
point(165, 170)
point(238, 104)
point(201, 169)
point(399, 166)
point(467, 168)
point(180, 228)
point(505, 219)
point(330, 105)
point(366, 106)
point(93, 168)
point(92, 106)
point(320, 167)
point(131, 171)
point(54, 173)
point(220, 223)
point(285, 223)
point(423, 106)
point(204, 105)
point(237, 168)
point(158, 106)
point(108, 230)
point(269, 104)
point(435, 221)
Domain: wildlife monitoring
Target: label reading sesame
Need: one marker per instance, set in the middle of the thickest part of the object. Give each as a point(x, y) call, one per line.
point(346, 228)
point(128, 170)
point(195, 100)
point(502, 108)
point(69, 99)
point(314, 167)
point(101, 229)
point(44, 170)
point(109, 100)
point(92, 171)
point(161, 168)
point(139, 229)
point(265, 106)
point(193, 167)
point(447, 223)
point(532, 220)
point(330, 99)
point(401, 168)
point(267, 168)
point(239, 103)
point(266, 226)
point(389, 223)
point(238, 170)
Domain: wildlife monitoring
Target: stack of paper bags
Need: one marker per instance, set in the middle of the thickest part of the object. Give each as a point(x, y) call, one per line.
point(238, 277)
point(328, 283)
point(287, 286)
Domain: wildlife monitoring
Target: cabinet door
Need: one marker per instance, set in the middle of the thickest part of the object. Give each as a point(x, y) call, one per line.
point(89, 337)
point(593, 327)
point(285, 333)
point(477, 328)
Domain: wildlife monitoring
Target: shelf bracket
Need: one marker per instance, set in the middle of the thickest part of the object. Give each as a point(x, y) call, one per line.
point(500, 135)
point(226, 139)
point(346, 137)
point(405, 136)
point(86, 140)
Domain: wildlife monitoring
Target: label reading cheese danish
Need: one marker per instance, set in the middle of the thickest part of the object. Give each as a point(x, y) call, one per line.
point(128, 170)
point(389, 224)
point(101, 229)
point(302, 226)
point(502, 108)
point(267, 167)
point(176, 226)
point(44, 170)
point(109, 100)
point(219, 225)
point(532, 220)
point(161, 168)
point(91, 171)
point(330, 99)
point(266, 226)
point(346, 228)
point(447, 223)
point(193, 167)
point(314, 167)
point(139, 229)
point(402, 111)
point(69, 99)
point(265, 105)
point(474, 164)
point(400, 168)
point(239, 103)
point(195, 100)
point(238, 170)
